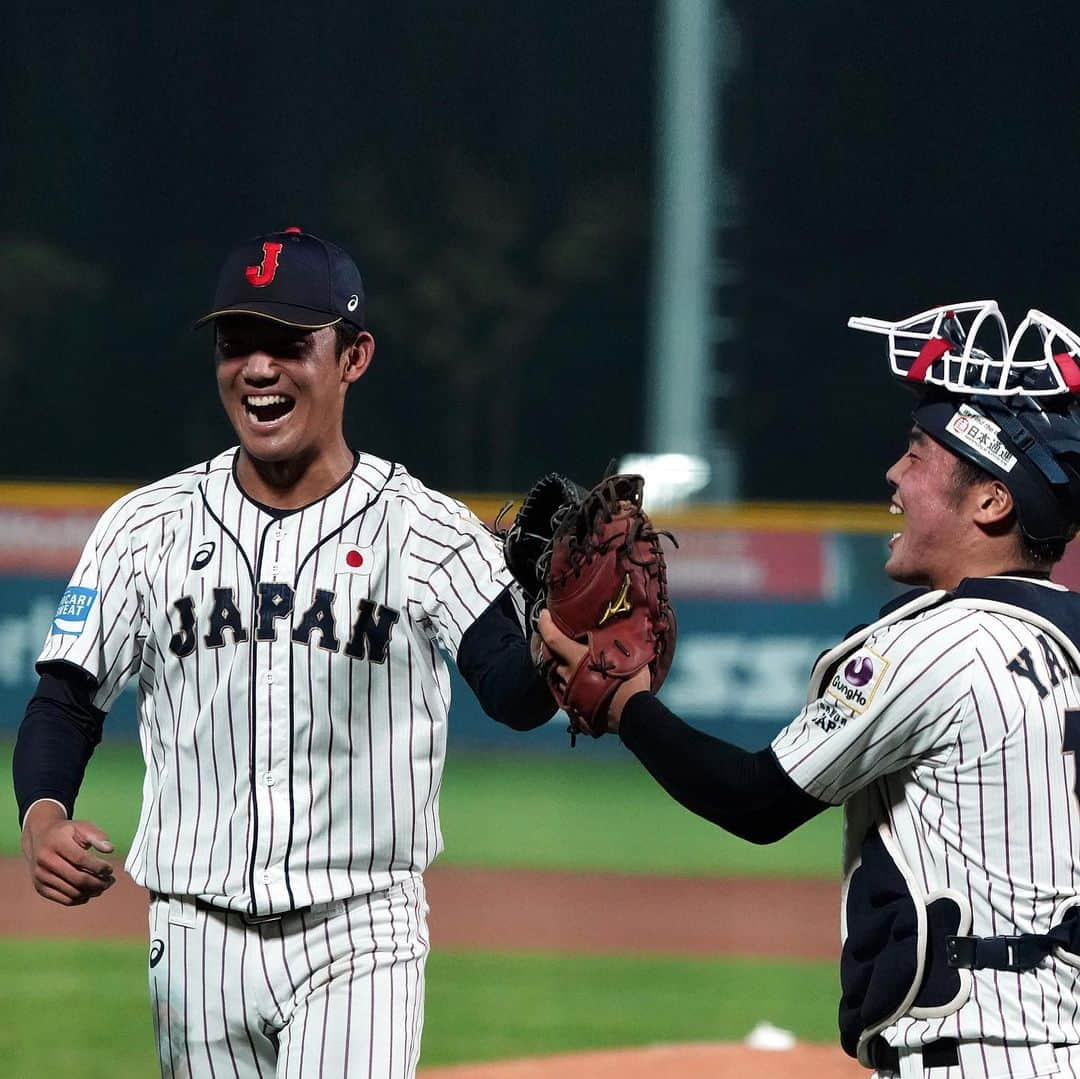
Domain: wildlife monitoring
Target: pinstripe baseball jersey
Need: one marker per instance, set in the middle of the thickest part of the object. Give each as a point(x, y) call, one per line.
point(956, 726)
point(292, 690)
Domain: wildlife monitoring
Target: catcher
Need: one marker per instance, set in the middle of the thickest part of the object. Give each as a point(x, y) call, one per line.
point(948, 728)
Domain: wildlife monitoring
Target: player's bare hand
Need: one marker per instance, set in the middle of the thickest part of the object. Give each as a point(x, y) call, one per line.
point(557, 651)
point(63, 856)
point(536, 648)
point(564, 654)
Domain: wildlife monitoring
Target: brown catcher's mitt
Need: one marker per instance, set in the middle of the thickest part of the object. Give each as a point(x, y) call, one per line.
point(606, 587)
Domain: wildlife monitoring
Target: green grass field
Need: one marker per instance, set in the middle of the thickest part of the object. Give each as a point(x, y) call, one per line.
point(78, 1010)
point(567, 811)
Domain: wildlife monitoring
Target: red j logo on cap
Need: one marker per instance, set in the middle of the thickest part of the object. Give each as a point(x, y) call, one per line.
point(263, 274)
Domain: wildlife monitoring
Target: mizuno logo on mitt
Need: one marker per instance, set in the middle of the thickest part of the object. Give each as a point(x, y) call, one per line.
point(619, 605)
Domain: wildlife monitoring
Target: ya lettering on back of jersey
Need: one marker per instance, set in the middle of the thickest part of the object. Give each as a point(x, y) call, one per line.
point(966, 752)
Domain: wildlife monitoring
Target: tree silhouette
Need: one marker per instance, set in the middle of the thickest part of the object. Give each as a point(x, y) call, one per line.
point(34, 277)
point(471, 270)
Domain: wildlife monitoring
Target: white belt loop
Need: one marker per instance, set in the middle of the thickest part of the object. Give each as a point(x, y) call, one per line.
point(911, 1065)
point(327, 910)
point(988, 1058)
point(1045, 1059)
point(182, 911)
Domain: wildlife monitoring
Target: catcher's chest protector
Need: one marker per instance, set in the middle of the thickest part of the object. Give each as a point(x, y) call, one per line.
point(907, 953)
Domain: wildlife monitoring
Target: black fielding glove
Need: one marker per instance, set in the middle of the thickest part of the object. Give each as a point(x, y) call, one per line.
point(529, 536)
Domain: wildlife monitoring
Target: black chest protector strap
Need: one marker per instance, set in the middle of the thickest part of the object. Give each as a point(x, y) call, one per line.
point(1020, 952)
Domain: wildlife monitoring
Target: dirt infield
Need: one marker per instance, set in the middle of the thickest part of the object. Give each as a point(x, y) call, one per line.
point(506, 910)
point(671, 1061)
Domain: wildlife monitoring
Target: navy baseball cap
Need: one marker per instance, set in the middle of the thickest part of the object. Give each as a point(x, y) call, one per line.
point(290, 277)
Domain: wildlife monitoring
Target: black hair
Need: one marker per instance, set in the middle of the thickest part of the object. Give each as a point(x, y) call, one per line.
point(1042, 554)
point(346, 334)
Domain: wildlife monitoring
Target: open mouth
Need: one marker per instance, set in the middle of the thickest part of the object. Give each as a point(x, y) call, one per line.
point(267, 407)
point(895, 511)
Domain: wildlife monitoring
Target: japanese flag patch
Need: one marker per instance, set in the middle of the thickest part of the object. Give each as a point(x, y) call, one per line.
point(353, 559)
point(857, 680)
point(75, 606)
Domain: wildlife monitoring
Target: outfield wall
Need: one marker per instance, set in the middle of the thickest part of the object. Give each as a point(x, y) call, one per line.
point(759, 592)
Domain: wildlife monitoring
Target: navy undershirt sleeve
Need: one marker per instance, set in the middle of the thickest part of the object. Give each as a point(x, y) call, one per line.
point(56, 738)
point(747, 794)
point(493, 657)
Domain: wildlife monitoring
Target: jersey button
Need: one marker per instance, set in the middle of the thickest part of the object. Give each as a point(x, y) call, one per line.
point(269, 677)
point(268, 779)
point(267, 877)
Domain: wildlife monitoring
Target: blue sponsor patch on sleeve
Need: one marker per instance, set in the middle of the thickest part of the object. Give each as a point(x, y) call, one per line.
point(75, 606)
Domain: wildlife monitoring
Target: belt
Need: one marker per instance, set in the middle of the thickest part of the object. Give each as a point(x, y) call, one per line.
point(944, 1053)
point(254, 919)
point(246, 916)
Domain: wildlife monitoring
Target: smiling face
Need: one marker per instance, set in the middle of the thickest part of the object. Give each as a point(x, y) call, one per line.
point(283, 388)
point(935, 547)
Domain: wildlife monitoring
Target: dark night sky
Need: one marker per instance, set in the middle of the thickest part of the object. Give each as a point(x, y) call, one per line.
point(147, 146)
point(892, 159)
point(885, 164)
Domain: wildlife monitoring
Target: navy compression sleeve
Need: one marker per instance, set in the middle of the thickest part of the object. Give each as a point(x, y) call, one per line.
point(747, 794)
point(493, 658)
point(58, 734)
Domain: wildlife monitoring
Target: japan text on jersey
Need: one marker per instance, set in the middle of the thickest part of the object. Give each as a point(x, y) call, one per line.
point(293, 690)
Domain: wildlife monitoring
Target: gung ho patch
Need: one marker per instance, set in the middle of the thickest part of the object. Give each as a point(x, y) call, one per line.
point(855, 683)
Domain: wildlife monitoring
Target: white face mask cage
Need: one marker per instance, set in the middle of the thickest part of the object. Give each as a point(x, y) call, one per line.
point(941, 347)
point(1060, 358)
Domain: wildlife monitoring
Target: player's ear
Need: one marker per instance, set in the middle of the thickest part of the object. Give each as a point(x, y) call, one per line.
point(357, 357)
point(993, 504)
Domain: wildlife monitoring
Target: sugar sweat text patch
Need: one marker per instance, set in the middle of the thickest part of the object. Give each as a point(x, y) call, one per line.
point(75, 605)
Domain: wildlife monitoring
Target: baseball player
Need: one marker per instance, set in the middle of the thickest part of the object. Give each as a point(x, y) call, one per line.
point(948, 728)
point(285, 609)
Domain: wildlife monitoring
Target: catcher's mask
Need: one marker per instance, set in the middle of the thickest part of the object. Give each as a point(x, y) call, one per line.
point(1018, 420)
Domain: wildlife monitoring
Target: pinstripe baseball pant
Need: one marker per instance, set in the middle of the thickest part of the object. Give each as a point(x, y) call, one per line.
point(334, 991)
point(993, 1061)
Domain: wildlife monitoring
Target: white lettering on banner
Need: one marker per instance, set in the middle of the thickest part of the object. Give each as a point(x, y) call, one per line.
point(704, 576)
point(20, 641)
point(759, 678)
point(21, 635)
point(25, 528)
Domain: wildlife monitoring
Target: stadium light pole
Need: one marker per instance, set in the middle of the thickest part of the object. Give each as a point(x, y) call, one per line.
point(695, 202)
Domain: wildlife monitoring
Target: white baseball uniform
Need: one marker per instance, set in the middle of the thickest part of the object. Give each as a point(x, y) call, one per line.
point(952, 728)
point(292, 704)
